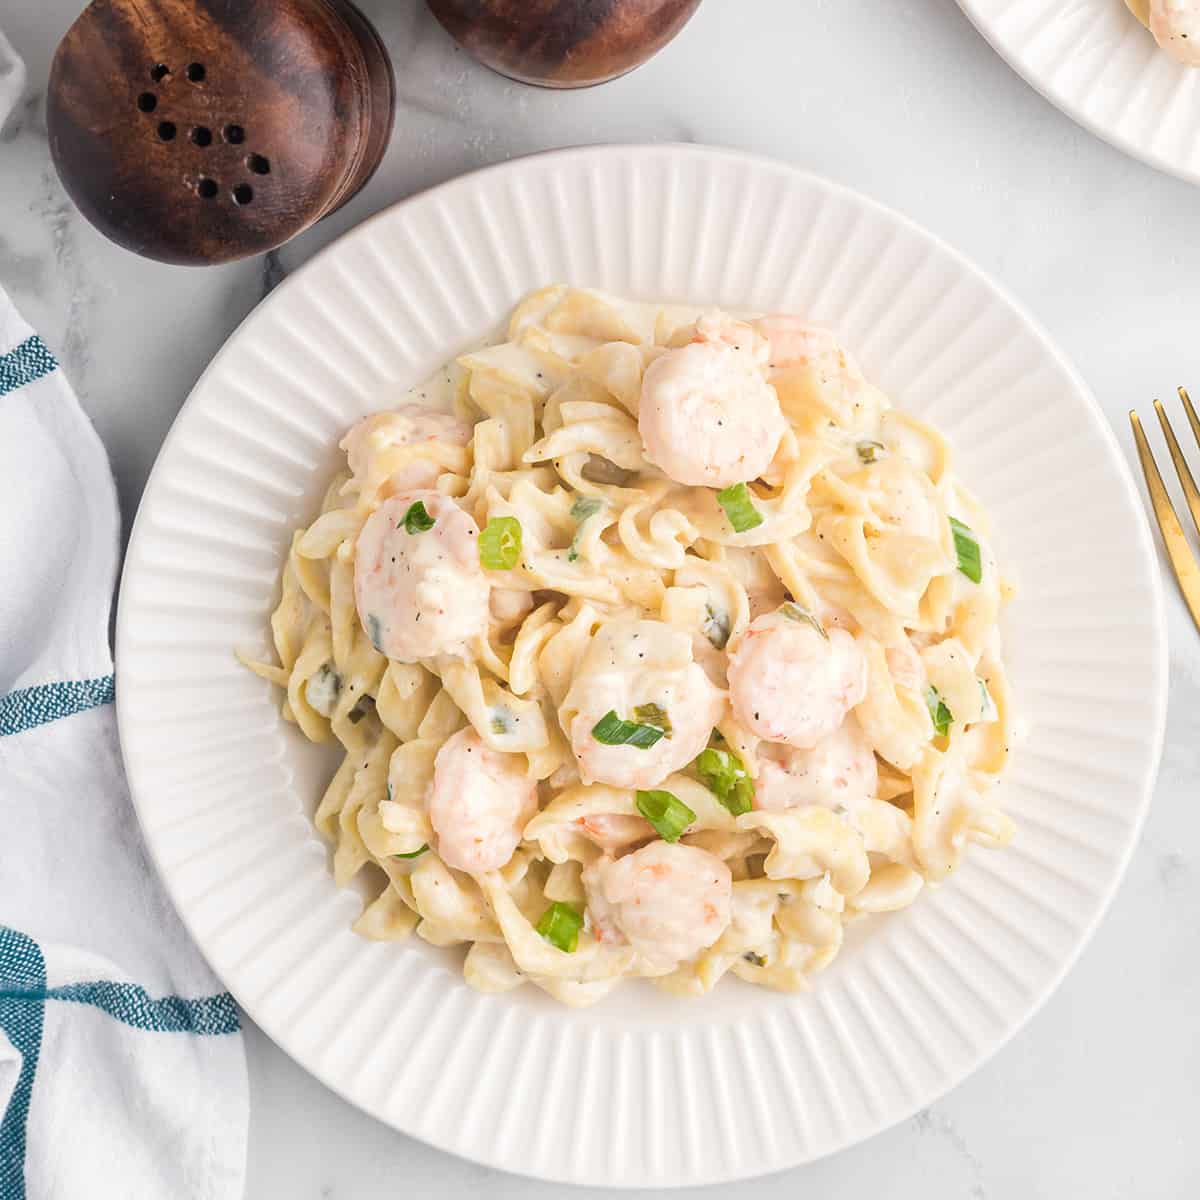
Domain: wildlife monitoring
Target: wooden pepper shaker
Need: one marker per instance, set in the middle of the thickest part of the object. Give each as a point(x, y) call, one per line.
point(563, 43)
point(202, 131)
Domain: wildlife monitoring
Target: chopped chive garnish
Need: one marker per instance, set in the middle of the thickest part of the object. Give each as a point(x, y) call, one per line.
point(583, 508)
point(795, 613)
point(966, 546)
point(943, 718)
point(375, 631)
point(417, 520)
point(666, 812)
point(610, 730)
point(361, 709)
point(501, 720)
point(724, 774)
point(500, 544)
point(653, 714)
point(716, 627)
point(869, 452)
point(739, 508)
point(413, 853)
point(754, 959)
point(988, 711)
point(560, 925)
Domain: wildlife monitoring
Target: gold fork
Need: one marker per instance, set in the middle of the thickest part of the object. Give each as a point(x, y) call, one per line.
point(1187, 571)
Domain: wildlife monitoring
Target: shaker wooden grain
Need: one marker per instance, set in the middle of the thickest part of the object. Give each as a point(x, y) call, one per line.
point(563, 43)
point(201, 131)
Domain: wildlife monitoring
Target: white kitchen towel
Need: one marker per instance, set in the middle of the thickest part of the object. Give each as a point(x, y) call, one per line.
point(122, 1067)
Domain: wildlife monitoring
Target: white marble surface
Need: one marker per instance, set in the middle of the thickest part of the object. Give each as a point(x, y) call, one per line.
point(1099, 1095)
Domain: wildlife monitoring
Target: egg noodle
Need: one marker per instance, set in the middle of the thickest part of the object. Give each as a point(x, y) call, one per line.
point(648, 727)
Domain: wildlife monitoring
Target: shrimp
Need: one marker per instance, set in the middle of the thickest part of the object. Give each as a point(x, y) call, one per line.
point(839, 770)
point(794, 342)
point(422, 593)
point(479, 802)
point(806, 361)
point(723, 329)
point(791, 682)
point(667, 900)
point(407, 425)
point(708, 417)
point(1176, 28)
point(614, 832)
point(644, 672)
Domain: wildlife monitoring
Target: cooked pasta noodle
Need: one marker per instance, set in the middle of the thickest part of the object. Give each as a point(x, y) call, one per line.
point(658, 644)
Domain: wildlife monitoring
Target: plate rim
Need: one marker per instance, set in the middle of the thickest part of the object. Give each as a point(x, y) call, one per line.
point(1157, 622)
point(985, 27)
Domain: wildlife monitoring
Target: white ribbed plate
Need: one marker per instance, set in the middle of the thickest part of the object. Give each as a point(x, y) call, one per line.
point(644, 1089)
point(1101, 66)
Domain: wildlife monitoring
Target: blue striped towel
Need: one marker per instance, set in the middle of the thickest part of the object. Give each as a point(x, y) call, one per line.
point(122, 1068)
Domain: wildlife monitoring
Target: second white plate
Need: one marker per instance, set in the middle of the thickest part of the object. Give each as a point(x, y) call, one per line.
point(1101, 66)
point(644, 1089)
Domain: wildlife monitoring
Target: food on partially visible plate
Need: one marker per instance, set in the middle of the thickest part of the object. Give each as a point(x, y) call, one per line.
point(659, 644)
point(1175, 25)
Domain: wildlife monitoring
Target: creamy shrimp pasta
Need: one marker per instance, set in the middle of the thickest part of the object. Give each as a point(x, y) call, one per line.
point(659, 644)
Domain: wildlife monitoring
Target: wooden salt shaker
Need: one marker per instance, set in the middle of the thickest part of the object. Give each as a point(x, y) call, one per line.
point(202, 131)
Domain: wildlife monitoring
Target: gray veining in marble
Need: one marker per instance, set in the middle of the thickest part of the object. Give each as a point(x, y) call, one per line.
point(1099, 1096)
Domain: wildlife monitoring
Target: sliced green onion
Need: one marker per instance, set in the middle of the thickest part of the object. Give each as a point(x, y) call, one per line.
point(653, 714)
point(943, 718)
point(666, 812)
point(795, 613)
point(417, 520)
point(610, 730)
point(966, 546)
point(583, 508)
point(413, 853)
point(988, 712)
point(322, 690)
point(361, 709)
point(375, 631)
point(716, 627)
point(501, 720)
point(560, 925)
point(755, 959)
point(739, 508)
point(869, 452)
point(500, 544)
point(725, 775)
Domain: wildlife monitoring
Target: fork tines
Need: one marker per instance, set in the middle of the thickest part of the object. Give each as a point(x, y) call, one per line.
point(1187, 570)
